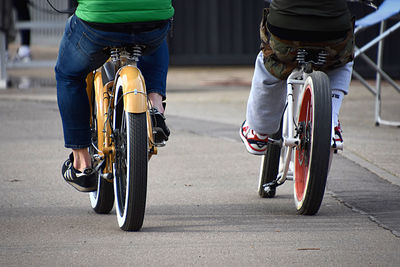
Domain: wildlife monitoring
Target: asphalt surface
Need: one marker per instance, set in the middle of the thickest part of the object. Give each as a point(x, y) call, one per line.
point(203, 208)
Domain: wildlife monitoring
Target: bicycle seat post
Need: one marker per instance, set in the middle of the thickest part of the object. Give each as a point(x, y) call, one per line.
point(115, 54)
point(134, 53)
point(307, 58)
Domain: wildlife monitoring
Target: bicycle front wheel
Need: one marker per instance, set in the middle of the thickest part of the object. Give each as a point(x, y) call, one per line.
point(130, 170)
point(312, 156)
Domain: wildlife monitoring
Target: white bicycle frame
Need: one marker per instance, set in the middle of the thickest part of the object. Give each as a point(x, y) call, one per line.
point(295, 88)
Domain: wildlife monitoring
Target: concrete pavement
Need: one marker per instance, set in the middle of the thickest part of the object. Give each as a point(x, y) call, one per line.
point(203, 211)
point(375, 148)
point(202, 203)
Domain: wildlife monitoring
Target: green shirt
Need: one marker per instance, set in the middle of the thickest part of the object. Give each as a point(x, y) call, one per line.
point(310, 15)
point(124, 11)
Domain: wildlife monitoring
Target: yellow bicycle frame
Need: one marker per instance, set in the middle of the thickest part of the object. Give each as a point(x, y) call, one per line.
point(134, 99)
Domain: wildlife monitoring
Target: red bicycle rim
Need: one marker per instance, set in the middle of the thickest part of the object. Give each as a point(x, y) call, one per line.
point(302, 159)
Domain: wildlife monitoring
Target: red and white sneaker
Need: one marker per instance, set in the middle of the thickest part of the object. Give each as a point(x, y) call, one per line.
point(338, 139)
point(255, 143)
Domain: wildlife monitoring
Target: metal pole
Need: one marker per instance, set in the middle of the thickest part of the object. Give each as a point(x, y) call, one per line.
point(377, 39)
point(3, 61)
point(378, 77)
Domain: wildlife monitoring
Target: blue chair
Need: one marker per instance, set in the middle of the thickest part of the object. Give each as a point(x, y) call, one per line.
point(387, 10)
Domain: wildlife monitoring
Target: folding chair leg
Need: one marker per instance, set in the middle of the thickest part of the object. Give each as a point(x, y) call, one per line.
point(3, 61)
point(378, 77)
point(383, 74)
point(378, 120)
point(364, 82)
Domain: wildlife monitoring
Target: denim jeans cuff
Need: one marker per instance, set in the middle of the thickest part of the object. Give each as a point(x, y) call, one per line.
point(76, 146)
point(158, 91)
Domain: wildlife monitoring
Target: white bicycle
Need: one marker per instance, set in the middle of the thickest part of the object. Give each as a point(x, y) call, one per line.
point(302, 149)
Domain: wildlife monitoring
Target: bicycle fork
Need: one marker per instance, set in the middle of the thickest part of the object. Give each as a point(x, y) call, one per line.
point(131, 86)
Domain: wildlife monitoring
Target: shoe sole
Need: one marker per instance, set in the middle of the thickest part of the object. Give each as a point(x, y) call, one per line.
point(81, 188)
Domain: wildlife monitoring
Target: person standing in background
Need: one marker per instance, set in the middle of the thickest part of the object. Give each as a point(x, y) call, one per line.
point(23, 14)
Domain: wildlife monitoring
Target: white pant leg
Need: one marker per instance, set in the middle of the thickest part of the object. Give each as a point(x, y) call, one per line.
point(266, 101)
point(340, 78)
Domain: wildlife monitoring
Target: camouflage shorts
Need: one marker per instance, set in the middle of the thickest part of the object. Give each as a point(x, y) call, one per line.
point(280, 55)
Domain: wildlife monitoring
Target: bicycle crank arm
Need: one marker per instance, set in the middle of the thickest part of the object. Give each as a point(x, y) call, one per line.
point(99, 162)
point(290, 142)
point(99, 166)
point(276, 142)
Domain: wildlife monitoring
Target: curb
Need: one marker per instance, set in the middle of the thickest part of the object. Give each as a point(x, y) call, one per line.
point(351, 155)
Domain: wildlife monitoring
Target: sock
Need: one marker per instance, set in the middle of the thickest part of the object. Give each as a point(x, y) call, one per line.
point(337, 98)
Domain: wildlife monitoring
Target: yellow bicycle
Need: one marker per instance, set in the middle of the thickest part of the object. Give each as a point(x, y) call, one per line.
point(122, 136)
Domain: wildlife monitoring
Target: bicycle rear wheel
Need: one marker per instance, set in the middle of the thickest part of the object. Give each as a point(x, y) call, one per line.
point(130, 169)
point(312, 157)
point(269, 167)
point(101, 200)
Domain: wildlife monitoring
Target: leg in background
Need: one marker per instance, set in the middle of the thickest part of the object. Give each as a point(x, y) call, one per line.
point(340, 79)
point(266, 101)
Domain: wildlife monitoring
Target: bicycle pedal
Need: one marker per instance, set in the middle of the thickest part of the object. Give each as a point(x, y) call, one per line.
point(269, 187)
point(160, 144)
point(106, 176)
point(335, 146)
point(98, 164)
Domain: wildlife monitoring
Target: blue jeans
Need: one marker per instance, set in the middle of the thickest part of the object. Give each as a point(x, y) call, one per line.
point(82, 51)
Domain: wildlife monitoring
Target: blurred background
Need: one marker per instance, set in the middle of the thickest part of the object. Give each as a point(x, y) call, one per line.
point(205, 33)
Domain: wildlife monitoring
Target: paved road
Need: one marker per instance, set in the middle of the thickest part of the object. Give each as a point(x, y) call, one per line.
point(202, 210)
